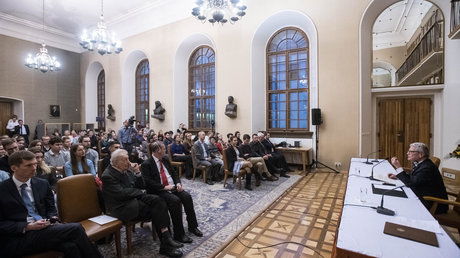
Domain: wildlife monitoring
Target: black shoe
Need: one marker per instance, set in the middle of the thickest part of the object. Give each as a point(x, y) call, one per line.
point(285, 175)
point(288, 169)
point(248, 187)
point(167, 240)
point(184, 239)
point(209, 182)
point(280, 171)
point(196, 232)
point(170, 252)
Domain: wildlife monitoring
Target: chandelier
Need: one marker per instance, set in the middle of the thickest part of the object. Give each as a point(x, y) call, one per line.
point(101, 38)
point(220, 11)
point(42, 61)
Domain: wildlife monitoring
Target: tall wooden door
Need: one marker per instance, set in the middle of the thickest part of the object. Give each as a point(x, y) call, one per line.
point(6, 109)
point(401, 122)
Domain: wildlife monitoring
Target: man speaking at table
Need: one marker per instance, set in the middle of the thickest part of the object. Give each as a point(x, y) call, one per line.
point(424, 179)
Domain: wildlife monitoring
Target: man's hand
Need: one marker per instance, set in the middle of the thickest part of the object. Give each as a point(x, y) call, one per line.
point(38, 225)
point(265, 157)
point(392, 176)
point(135, 168)
point(395, 162)
point(208, 158)
point(169, 187)
point(179, 187)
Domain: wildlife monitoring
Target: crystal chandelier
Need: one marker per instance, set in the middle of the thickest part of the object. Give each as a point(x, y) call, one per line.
point(219, 11)
point(101, 38)
point(42, 61)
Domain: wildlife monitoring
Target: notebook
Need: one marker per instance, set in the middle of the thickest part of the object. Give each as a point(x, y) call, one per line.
point(414, 234)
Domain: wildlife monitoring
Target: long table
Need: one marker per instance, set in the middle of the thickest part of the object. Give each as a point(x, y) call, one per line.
point(360, 233)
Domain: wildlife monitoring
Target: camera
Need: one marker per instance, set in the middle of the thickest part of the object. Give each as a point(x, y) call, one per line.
point(131, 121)
point(54, 220)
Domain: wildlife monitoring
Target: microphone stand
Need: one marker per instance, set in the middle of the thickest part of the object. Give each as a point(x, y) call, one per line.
point(372, 171)
point(367, 159)
point(315, 161)
point(386, 211)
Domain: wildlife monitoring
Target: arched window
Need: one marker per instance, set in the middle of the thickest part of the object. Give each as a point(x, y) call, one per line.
point(101, 100)
point(142, 92)
point(201, 89)
point(287, 81)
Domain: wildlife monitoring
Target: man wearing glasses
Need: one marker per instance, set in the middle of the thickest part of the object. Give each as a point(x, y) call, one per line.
point(424, 179)
point(11, 146)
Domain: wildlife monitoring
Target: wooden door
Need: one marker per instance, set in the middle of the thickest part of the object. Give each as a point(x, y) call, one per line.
point(401, 122)
point(6, 110)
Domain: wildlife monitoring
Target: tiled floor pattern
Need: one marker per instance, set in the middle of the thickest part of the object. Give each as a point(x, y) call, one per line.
point(301, 223)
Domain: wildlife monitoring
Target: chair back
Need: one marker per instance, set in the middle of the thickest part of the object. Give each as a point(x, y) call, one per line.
point(224, 158)
point(436, 161)
point(77, 198)
point(99, 168)
point(169, 153)
point(192, 152)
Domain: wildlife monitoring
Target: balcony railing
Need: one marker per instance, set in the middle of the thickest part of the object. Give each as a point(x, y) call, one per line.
point(430, 40)
point(455, 18)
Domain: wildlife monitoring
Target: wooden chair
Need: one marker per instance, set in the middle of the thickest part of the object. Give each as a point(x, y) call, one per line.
point(177, 164)
point(99, 168)
point(227, 172)
point(77, 202)
point(452, 217)
point(436, 161)
point(130, 227)
point(195, 166)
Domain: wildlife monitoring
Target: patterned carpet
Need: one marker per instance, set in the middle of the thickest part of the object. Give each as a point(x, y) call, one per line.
point(302, 223)
point(221, 213)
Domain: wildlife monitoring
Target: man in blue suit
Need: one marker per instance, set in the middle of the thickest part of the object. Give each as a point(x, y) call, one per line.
point(28, 216)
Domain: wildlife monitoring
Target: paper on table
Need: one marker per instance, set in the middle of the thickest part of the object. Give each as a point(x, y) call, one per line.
point(428, 225)
point(103, 219)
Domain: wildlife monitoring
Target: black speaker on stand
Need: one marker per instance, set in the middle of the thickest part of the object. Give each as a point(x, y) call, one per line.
point(316, 120)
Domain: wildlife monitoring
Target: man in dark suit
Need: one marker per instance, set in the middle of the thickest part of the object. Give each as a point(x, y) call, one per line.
point(424, 179)
point(22, 130)
point(203, 158)
point(162, 179)
point(10, 146)
point(28, 215)
point(126, 200)
point(270, 148)
point(270, 161)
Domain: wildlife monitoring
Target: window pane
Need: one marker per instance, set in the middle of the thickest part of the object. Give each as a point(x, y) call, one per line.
point(142, 92)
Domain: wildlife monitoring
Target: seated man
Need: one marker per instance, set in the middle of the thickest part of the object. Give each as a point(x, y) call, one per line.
point(424, 179)
point(270, 161)
point(113, 146)
point(203, 158)
point(270, 148)
point(26, 207)
point(162, 179)
point(125, 200)
point(256, 161)
point(10, 146)
point(55, 157)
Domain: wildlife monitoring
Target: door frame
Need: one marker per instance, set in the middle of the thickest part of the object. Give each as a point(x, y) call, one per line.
point(432, 92)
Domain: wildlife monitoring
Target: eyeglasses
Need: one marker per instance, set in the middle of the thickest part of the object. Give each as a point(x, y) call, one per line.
point(412, 151)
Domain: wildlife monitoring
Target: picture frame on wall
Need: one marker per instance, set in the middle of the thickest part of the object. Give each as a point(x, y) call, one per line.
point(55, 110)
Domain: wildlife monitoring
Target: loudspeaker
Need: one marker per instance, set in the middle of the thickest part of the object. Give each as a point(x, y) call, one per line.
point(316, 116)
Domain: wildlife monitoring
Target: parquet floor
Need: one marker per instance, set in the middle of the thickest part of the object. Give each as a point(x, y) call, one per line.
point(301, 223)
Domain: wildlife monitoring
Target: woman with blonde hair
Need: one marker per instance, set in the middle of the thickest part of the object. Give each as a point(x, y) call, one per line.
point(44, 171)
point(78, 164)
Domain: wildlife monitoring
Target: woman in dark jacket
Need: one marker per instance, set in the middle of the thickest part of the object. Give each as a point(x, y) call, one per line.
point(44, 171)
point(236, 162)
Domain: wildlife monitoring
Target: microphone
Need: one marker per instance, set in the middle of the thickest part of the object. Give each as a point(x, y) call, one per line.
point(372, 171)
point(385, 211)
point(367, 159)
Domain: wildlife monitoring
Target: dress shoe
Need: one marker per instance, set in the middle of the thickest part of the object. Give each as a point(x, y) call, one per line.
point(257, 182)
point(289, 170)
point(280, 171)
point(248, 187)
point(285, 175)
point(167, 240)
point(272, 178)
point(170, 252)
point(196, 232)
point(209, 182)
point(184, 239)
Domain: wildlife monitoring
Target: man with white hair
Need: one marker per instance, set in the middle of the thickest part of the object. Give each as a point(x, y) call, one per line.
point(424, 179)
point(126, 199)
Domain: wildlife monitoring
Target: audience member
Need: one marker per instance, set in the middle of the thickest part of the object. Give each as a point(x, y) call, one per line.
point(203, 158)
point(44, 171)
point(168, 139)
point(113, 146)
point(216, 156)
point(39, 129)
point(11, 125)
point(91, 154)
point(238, 137)
point(22, 130)
point(11, 147)
point(125, 136)
point(36, 143)
point(21, 143)
point(187, 143)
point(79, 163)
point(236, 162)
point(93, 139)
point(2, 151)
point(126, 200)
point(66, 143)
point(221, 144)
point(270, 148)
point(424, 179)
point(55, 157)
point(161, 179)
point(28, 231)
point(256, 161)
point(46, 143)
point(270, 162)
point(178, 154)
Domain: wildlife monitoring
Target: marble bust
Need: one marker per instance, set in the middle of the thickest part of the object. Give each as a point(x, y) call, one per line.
point(159, 111)
point(111, 113)
point(230, 109)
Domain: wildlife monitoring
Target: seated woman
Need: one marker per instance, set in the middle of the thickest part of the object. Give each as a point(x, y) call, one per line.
point(238, 137)
point(187, 143)
point(221, 144)
point(78, 163)
point(44, 171)
point(178, 154)
point(35, 143)
point(235, 161)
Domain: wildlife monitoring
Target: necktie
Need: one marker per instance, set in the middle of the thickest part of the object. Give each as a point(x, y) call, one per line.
point(28, 202)
point(164, 179)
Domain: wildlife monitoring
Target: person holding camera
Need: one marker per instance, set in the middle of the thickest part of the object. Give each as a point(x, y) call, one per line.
point(162, 179)
point(28, 220)
point(126, 134)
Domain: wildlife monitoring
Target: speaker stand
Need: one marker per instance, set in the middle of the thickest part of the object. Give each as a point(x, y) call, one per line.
point(316, 163)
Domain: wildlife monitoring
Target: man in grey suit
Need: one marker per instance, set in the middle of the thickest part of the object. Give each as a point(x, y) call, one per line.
point(203, 158)
point(126, 199)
